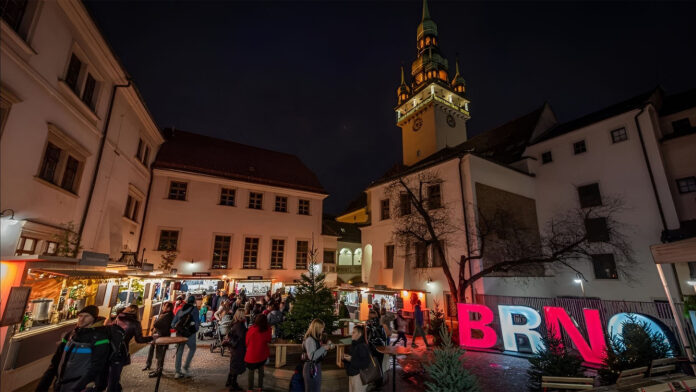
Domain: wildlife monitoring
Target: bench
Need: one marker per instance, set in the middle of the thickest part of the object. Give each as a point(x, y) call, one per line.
point(631, 376)
point(281, 354)
point(659, 367)
point(574, 383)
point(668, 387)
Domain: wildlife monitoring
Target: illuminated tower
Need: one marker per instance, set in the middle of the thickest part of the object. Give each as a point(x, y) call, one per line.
point(432, 111)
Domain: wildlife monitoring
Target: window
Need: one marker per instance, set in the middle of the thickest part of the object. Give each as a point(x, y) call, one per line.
point(281, 204)
point(546, 157)
point(227, 197)
point(177, 190)
point(302, 254)
point(681, 125)
point(589, 195)
point(26, 246)
point(405, 204)
point(384, 209)
point(686, 185)
point(70, 174)
point(438, 259)
point(169, 240)
point(12, 11)
point(597, 230)
point(221, 251)
point(51, 248)
point(277, 254)
point(73, 72)
point(143, 153)
point(619, 135)
point(50, 162)
point(329, 256)
point(255, 200)
point(421, 255)
point(88, 91)
point(303, 207)
point(579, 147)
point(132, 208)
point(251, 253)
point(389, 256)
point(434, 197)
point(604, 266)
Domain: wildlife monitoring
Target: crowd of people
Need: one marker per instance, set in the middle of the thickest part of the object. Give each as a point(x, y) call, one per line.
point(91, 357)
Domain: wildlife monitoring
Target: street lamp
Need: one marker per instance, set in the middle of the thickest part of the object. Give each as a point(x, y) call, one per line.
point(579, 281)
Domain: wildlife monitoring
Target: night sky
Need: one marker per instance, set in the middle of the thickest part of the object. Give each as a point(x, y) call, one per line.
point(319, 79)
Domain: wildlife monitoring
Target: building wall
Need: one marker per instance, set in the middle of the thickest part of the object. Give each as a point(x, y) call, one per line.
point(200, 217)
point(680, 161)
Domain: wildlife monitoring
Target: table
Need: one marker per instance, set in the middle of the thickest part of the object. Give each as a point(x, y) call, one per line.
point(393, 351)
point(163, 341)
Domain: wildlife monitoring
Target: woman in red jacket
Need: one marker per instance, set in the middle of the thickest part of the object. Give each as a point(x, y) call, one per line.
point(257, 352)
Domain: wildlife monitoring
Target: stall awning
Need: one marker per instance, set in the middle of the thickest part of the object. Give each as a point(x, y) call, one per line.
point(78, 273)
point(683, 251)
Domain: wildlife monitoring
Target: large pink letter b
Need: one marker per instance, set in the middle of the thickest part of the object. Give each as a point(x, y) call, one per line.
point(595, 351)
point(466, 324)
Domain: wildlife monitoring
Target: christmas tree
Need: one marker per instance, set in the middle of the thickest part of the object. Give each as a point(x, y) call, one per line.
point(552, 360)
point(312, 300)
point(437, 321)
point(446, 372)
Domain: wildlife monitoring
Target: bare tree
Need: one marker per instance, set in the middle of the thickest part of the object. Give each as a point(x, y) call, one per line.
point(503, 237)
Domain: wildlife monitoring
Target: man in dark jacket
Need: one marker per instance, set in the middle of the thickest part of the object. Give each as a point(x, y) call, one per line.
point(128, 321)
point(81, 356)
point(162, 327)
point(188, 312)
point(358, 359)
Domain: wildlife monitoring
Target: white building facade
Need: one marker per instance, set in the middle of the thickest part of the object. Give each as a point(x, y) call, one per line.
point(233, 211)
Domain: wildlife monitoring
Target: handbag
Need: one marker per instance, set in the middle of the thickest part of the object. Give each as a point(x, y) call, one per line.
point(372, 373)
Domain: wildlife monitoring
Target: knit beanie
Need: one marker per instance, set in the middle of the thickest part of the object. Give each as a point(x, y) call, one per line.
point(91, 310)
point(191, 299)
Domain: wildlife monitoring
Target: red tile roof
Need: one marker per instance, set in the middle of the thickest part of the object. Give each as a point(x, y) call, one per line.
point(196, 153)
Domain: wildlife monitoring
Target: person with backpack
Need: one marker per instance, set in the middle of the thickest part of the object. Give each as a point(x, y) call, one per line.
point(401, 327)
point(418, 326)
point(257, 352)
point(314, 351)
point(236, 342)
point(161, 328)
point(186, 324)
point(128, 321)
point(358, 360)
point(81, 356)
point(179, 304)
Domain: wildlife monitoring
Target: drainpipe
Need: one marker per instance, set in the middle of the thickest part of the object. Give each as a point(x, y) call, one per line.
point(660, 271)
point(466, 224)
point(147, 203)
point(100, 154)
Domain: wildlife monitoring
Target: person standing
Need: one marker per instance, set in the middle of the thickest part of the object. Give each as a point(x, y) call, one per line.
point(401, 327)
point(81, 357)
point(216, 300)
point(128, 321)
point(161, 328)
point(343, 310)
point(236, 342)
point(358, 360)
point(257, 352)
point(314, 351)
point(179, 304)
point(418, 327)
point(376, 337)
point(186, 323)
point(203, 313)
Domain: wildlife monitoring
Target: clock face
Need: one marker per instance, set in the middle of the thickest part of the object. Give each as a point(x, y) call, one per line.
point(451, 121)
point(417, 124)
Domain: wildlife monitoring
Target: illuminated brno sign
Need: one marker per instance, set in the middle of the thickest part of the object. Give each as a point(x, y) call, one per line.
point(556, 319)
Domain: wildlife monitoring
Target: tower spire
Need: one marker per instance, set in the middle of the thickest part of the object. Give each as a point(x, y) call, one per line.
point(426, 11)
point(403, 80)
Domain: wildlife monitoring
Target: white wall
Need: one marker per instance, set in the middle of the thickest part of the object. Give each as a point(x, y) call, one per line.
point(200, 217)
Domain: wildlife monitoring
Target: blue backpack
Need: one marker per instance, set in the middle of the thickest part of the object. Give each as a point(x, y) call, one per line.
point(297, 381)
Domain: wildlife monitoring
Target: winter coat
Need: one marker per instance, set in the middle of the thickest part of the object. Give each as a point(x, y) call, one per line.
point(375, 333)
point(359, 358)
point(80, 359)
point(343, 311)
point(418, 315)
point(132, 327)
point(164, 323)
point(257, 345)
point(237, 346)
point(275, 317)
point(186, 309)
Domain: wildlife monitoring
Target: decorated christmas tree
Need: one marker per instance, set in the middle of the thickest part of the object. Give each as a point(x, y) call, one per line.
point(313, 299)
point(446, 372)
point(552, 360)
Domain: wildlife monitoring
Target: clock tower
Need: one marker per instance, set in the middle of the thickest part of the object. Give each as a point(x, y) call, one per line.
point(432, 111)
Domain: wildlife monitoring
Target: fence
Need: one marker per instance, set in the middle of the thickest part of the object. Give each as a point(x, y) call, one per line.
point(574, 306)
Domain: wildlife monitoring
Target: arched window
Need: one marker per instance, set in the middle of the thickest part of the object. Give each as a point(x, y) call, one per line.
point(357, 257)
point(427, 41)
point(345, 257)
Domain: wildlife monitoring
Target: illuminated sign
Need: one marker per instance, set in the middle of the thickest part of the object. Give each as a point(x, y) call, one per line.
point(556, 321)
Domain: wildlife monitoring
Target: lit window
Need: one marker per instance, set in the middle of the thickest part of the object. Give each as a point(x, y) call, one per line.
point(51, 248)
point(26, 246)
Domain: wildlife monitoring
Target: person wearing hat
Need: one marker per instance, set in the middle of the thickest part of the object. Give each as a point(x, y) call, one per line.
point(81, 356)
point(186, 323)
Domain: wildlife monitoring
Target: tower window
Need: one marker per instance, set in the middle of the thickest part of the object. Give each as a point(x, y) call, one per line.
point(427, 41)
